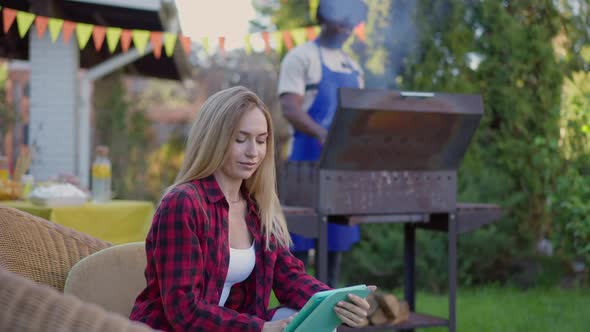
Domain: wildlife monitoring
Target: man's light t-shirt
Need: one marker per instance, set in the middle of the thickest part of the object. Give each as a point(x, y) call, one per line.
point(302, 67)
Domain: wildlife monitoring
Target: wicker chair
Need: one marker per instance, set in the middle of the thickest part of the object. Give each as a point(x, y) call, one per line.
point(31, 307)
point(41, 250)
point(36, 256)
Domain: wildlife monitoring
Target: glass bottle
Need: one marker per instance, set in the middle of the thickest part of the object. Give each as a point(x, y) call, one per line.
point(4, 174)
point(101, 175)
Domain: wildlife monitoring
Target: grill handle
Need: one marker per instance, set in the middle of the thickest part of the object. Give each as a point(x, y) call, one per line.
point(416, 94)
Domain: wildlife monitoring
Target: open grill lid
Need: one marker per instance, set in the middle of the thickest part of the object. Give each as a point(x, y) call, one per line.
point(394, 130)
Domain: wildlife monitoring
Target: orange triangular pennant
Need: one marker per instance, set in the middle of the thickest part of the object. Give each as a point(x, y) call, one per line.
point(359, 31)
point(156, 39)
point(186, 43)
point(8, 16)
point(288, 40)
point(311, 33)
point(266, 38)
point(68, 29)
point(41, 24)
point(126, 36)
point(98, 34)
point(222, 45)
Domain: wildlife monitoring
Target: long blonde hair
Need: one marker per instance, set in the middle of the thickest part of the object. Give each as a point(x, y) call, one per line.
point(215, 126)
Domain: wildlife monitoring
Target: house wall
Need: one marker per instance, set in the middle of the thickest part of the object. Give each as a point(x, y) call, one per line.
point(53, 106)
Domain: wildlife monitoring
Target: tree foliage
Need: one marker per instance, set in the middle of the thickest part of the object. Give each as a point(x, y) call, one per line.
point(126, 132)
point(520, 81)
point(7, 114)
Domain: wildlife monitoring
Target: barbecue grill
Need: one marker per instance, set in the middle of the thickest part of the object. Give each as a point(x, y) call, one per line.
point(390, 157)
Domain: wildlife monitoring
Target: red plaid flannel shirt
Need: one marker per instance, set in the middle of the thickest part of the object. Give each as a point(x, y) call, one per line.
point(188, 258)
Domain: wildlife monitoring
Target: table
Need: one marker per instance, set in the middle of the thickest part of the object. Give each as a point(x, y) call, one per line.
point(118, 221)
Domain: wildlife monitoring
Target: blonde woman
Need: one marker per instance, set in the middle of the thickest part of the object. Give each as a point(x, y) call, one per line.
point(219, 242)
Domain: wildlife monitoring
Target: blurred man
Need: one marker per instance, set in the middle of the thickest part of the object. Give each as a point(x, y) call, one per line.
point(308, 88)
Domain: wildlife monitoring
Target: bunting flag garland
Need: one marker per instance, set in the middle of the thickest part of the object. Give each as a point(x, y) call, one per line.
point(159, 40)
point(41, 25)
point(266, 38)
point(140, 40)
point(359, 31)
point(24, 21)
point(126, 36)
point(55, 26)
point(312, 32)
point(288, 40)
point(8, 16)
point(247, 45)
point(169, 43)
point(156, 40)
point(83, 33)
point(277, 37)
point(205, 42)
point(186, 43)
point(113, 36)
point(298, 35)
point(222, 45)
point(68, 29)
point(98, 35)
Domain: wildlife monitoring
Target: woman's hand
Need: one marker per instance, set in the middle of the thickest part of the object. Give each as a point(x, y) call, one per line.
point(277, 325)
point(353, 313)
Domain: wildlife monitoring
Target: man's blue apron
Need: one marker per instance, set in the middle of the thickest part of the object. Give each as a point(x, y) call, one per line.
point(307, 148)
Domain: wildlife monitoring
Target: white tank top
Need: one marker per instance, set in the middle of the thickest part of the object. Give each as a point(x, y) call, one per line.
point(241, 265)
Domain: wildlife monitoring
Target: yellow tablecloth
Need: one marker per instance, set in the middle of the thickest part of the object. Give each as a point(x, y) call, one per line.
point(117, 221)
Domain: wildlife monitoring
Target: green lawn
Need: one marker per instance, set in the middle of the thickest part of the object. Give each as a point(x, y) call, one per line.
point(505, 309)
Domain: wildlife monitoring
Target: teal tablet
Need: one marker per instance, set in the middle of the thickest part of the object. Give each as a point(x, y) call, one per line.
point(318, 313)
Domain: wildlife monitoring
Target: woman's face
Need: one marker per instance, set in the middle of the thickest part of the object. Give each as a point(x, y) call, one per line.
point(247, 148)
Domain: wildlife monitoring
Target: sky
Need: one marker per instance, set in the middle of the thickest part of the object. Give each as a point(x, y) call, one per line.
point(214, 18)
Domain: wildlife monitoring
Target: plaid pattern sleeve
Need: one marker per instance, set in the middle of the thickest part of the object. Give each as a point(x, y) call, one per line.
point(292, 285)
point(175, 245)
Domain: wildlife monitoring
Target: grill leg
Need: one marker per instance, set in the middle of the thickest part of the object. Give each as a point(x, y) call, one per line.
point(410, 266)
point(452, 271)
point(321, 263)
